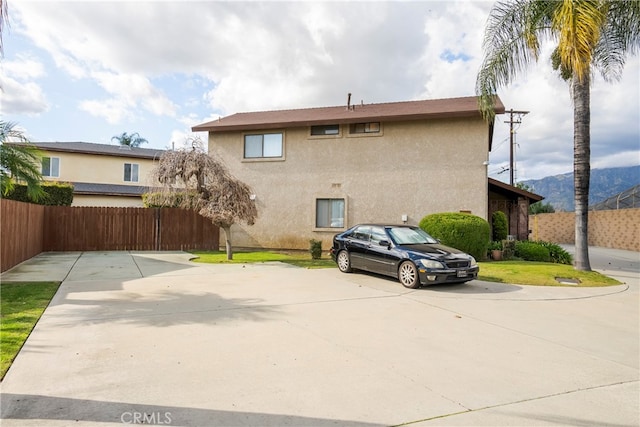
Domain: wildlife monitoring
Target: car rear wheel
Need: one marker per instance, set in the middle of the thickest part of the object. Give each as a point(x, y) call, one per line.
point(408, 275)
point(344, 261)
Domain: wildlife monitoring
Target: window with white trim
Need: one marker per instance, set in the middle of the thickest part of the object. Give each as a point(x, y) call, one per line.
point(371, 127)
point(329, 213)
point(51, 167)
point(267, 145)
point(325, 130)
point(131, 172)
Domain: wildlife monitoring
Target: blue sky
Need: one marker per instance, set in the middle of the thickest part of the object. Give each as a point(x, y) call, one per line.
point(89, 70)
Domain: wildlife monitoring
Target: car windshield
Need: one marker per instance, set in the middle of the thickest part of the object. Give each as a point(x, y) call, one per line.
point(410, 236)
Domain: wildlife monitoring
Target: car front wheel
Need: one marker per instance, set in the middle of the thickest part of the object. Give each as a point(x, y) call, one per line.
point(408, 275)
point(344, 262)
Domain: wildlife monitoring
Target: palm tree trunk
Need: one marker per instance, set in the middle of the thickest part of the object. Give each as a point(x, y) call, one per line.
point(581, 168)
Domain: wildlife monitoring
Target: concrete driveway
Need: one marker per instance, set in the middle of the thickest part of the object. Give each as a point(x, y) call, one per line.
point(150, 338)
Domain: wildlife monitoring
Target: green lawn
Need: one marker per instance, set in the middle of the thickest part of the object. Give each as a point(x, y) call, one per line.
point(22, 304)
point(298, 258)
point(519, 272)
point(539, 273)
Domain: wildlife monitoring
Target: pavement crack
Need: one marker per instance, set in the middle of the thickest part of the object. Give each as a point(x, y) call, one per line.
point(515, 402)
point(526, 334)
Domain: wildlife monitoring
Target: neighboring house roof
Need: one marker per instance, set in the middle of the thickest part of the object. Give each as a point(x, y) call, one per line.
point(90, 188)
point(512, 192)
point(357, 113)
point(98, 149)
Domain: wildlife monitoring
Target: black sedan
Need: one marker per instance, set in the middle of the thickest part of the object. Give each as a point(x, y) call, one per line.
point(405, 252)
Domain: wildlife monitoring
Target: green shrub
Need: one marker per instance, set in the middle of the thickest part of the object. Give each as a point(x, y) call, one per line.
point(538, 207)
point(315, 248)
point(532, 251)
point(495, 246)
point(56, 194)
point(499, 225)
point(557, 254)
point(173, 200)
point(466, 232)
point(508, 249)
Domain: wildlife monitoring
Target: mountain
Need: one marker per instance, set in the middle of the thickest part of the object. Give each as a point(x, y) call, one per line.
point(604, 183)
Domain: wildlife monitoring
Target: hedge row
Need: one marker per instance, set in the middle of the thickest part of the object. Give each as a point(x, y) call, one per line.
point(466, 232)
point(471, 234)
point(543, 251)
point(56, 194)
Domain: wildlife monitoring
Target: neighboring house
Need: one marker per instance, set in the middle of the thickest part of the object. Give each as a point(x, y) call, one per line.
point(514, 202)
point(318, 171)
point(102, 174)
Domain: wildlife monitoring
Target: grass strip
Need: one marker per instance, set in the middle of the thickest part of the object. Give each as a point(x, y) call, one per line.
point(22, 304)
point(540, 274)
point(297, 258)
point(517, 272)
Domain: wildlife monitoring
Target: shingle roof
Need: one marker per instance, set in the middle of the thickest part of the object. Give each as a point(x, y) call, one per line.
point(108, 189)
point(510, 190)
point(98, 149)
point(392, 111)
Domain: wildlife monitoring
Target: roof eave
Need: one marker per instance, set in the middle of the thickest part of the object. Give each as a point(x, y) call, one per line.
point(516, 190)
point(124, 153)
point(219, 126)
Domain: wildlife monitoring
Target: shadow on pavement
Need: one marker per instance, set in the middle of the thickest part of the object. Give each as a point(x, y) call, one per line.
point(37, 407)
point(155, 308)
point(475, 287)
point(471, 287)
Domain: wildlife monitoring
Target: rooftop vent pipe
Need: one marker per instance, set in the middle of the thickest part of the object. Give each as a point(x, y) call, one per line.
point(348, 101)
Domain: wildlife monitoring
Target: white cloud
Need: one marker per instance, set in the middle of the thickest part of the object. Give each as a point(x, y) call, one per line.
point(24, 68)
point(129, 91)
point(21, 94)
point(177, 62)
point(22, 98)
point(110, 109)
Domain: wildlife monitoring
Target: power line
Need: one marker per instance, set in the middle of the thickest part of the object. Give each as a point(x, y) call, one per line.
point(512, 131)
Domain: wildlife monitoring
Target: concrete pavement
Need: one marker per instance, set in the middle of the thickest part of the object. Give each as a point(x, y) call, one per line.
point(152, 338)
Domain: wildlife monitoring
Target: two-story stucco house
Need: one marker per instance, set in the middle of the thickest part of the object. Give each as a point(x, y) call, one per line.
point(101, 174)
point(318, 171)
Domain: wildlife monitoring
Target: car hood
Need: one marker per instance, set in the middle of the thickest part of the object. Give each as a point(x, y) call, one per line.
point(435, 250)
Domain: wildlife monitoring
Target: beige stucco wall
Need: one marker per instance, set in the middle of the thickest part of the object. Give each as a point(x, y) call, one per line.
point(100, 169)
point(618, 229)
point(411, 168)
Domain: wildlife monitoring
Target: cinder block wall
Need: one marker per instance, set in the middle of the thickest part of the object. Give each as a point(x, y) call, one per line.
point(617, 229)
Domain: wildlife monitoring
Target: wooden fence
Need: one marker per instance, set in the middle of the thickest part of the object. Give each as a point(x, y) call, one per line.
point(21, 232)
point(30, 229)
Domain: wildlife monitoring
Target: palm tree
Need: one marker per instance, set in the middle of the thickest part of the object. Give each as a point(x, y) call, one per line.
point(133, 140)
point(4, 21)
point(590, 35)
point(19, 163)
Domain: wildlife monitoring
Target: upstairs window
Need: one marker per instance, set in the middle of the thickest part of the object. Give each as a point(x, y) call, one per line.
point(325, 130)
point(371, 127)
point(51, 167)
point(329, 213)
point(131, 172)
point(268, 145)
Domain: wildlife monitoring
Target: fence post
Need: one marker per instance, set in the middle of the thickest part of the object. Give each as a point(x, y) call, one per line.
point(158, 228)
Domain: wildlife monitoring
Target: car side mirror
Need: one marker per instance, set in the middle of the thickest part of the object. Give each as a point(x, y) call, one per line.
point(385, 243)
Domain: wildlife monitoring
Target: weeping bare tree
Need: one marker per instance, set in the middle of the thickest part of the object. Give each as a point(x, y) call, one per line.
point(192, 179)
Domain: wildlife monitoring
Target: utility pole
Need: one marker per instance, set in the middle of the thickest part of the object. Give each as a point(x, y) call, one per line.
point(512, 140)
